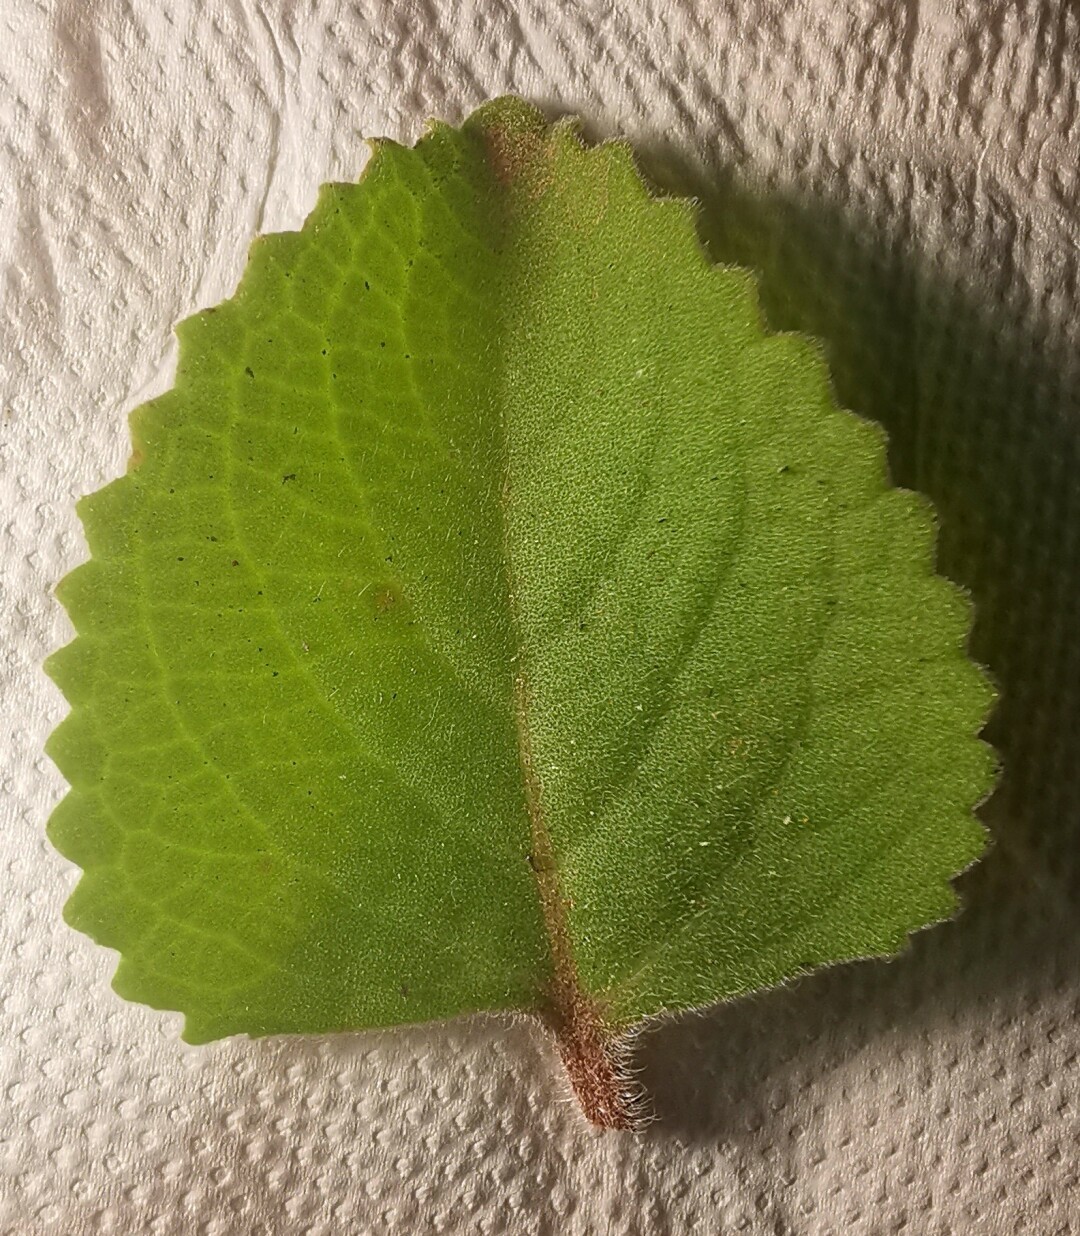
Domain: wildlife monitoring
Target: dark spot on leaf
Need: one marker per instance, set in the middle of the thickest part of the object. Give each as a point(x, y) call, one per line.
point(289, 476)
point(249, 371)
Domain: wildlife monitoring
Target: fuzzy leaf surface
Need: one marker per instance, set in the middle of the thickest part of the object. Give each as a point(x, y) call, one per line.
point(495, 615)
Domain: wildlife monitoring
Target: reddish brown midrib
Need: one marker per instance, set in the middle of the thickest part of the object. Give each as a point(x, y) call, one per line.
point(590, 1051)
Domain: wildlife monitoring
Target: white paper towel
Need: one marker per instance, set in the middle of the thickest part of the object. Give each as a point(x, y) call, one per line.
point(905, 176)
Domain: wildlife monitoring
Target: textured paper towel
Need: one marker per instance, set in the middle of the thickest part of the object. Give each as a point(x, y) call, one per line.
point(905, 176)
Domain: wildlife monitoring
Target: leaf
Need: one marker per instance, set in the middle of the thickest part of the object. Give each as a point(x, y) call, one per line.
point(494, 616)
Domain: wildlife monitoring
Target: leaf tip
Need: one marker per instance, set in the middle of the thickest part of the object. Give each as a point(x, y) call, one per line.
point(514, 132)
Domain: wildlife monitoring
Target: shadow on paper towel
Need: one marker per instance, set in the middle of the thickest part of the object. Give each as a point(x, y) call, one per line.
point(983, 414)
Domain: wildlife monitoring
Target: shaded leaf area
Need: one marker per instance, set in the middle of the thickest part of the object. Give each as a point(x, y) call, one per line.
point(979, 395)
point(495, 617)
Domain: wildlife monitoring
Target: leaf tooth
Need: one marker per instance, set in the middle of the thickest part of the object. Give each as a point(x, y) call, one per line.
point(193, 330)
point(74, 669)
point(568, 131)
point(105, 909)
point(75, 748)
point(194, 979)
point(129, 982)
point(682, 215)
point(273, 258)
point(103, 515)
point(433, 127)
point(97, 594)
point(992, 762)
point(743, 287)
point(198, 1028)
point(83, 832)
point(149, 423)
point(209, 340)
point(508, 113)
point(79, 589)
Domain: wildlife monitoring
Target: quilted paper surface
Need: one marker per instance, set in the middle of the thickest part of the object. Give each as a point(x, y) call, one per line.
point(905, 177)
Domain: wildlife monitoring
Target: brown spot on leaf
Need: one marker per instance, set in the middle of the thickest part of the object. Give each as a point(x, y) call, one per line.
point(516, 140)
point(387, 599)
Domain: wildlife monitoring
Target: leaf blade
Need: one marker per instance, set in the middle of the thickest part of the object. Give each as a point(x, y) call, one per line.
point(521, 624)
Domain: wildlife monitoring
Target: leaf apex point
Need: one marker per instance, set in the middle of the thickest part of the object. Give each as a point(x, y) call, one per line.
point(509, 113)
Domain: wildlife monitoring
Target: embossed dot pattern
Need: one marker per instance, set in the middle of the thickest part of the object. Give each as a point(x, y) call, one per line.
point(905, 177)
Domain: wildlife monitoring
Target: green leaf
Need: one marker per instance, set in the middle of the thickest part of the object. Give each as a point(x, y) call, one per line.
point(495, 616)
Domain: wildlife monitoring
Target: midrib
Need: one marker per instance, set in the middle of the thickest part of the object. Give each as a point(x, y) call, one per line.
point(590, 1049)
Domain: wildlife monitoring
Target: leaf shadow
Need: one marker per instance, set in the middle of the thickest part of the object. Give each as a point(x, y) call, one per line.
point(983, 415)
